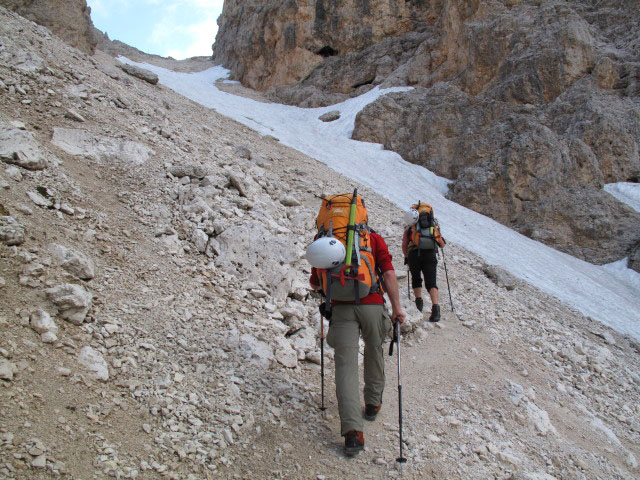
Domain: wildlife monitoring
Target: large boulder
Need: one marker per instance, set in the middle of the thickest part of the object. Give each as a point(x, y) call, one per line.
point(252, 249)
point(73, 302)
point(538, 169)
point(72, 261)
point(20, 147)
point(101, 148)
point(94, 362)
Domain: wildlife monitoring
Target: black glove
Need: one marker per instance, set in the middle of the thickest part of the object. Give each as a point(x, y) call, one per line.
point(406, 260)
point(324, 312)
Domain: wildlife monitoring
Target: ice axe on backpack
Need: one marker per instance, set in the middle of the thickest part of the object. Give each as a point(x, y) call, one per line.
point(351, 227)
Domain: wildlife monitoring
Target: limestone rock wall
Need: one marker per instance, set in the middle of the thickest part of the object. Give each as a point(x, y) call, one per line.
point(269, 44)
point(68, 19)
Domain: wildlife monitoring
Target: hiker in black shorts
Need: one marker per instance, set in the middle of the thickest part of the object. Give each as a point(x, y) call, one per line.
point(420, 243)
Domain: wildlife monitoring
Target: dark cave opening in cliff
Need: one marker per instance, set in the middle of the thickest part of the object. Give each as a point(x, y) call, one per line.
point(366, 82)
point(327, 51)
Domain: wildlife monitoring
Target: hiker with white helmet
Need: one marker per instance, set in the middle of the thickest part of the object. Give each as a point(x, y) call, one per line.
point(350, 262)
point(420, 242)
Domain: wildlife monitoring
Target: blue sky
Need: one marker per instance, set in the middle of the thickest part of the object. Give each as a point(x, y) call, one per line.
point(175, 28)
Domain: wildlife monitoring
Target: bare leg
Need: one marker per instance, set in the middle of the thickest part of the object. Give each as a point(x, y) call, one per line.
point(434, 294)
point(417, 292)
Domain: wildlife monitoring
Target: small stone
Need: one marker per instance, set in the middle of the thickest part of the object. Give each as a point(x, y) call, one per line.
point(242, 152)
point(7, 369)
point(93, 361)
point(73, 115)
point(39, 462)
point(289, 201)
point(453, 421)
point(13, 173)
point(49, 337)
point(509, 458)
point(40, 200)
point(330, 116)
point(41, 322)
point(24, 210)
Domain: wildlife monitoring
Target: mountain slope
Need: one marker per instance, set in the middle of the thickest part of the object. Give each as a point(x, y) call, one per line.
point(200, 313)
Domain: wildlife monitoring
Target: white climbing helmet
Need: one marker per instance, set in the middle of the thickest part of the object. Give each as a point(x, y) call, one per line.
point(411, 217)
point(326, 252)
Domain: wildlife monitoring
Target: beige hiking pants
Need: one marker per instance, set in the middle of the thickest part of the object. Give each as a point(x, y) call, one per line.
point(347, 322)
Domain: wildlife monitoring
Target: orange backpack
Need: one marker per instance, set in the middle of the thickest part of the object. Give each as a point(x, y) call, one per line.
point(343, 283)
point(422, 234)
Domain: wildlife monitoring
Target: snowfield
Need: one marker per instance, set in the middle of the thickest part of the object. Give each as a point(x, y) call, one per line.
point(626, 192)
point(609, 294)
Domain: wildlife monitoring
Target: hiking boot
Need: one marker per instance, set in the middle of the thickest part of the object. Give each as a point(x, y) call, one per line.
point(435, 313)
point(371, 411)
point(353, 442)
point(419, 303)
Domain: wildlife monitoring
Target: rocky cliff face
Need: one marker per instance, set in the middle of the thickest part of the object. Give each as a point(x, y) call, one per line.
point(269, 44)
point(530, 107)
point(68, 19)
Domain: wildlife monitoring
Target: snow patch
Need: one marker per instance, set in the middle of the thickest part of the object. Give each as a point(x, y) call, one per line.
point(626, 192)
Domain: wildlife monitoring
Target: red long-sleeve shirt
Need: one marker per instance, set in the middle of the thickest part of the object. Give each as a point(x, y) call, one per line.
point(382, 258)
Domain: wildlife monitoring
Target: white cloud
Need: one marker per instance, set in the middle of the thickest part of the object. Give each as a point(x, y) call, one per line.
point(180, 40)
point(98, 8)
point(202, 36)
point(177, 28)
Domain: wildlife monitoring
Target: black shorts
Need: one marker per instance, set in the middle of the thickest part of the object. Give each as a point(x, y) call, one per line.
point(423, 263)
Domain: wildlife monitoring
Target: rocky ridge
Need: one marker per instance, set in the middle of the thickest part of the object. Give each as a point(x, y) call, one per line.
point(68, 19)
point(529, 107)
point(156, 321)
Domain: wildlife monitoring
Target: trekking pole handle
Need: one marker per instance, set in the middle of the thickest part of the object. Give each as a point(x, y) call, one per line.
point(394, 339)
point(397, 335)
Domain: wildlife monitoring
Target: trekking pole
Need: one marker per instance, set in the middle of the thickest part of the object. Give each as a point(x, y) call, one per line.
point(408, 284)
point(324, 313)
point(396, 339)
point(444, 260)
point(322, 407)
